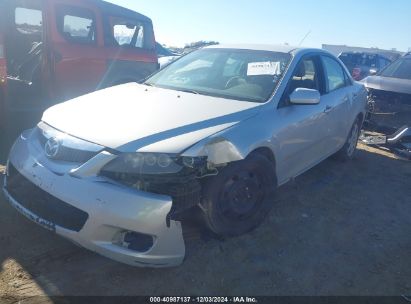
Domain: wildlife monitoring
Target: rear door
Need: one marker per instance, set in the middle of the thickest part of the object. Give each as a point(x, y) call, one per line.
point(78, 63)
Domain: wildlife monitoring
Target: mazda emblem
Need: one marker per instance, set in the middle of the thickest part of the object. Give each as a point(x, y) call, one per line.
point(52, 147)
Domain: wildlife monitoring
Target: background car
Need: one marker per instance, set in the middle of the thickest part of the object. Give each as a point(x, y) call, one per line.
point(362, 64)
point(390, 93)
point(55, 50)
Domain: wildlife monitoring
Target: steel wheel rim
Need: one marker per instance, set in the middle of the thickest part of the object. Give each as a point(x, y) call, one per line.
point(242, 195)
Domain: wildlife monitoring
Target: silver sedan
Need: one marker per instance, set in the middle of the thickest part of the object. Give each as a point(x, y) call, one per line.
point(218, 130)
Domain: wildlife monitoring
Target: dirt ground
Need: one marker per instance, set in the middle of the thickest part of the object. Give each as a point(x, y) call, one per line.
point(340, 229)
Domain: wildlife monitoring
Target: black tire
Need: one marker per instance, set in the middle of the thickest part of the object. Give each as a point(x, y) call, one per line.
point(238, 199)
point(347, 152)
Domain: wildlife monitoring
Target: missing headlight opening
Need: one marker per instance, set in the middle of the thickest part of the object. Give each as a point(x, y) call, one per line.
point(177, 177)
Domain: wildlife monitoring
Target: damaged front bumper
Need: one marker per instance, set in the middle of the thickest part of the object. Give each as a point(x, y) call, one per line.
point(92, 211)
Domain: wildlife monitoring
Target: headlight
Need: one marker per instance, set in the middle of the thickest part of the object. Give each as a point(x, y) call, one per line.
point(152, 163)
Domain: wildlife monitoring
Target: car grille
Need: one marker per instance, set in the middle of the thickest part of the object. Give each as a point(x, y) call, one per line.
point(65, 153)
point(43, 204)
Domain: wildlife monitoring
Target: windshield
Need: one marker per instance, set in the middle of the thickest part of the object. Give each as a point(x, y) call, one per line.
point(399, 69)
point(234, 74)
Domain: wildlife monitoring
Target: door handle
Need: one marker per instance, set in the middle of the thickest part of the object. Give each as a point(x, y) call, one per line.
point(328, 109)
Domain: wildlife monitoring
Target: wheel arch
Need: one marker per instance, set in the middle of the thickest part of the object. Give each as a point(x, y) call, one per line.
point(266, 152)
point(269, 154)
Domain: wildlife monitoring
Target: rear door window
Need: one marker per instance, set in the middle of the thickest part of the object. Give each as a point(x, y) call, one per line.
point(77, 25)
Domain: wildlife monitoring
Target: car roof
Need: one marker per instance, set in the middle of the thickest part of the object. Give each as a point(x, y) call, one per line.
point(119, 11)
point(267, 47)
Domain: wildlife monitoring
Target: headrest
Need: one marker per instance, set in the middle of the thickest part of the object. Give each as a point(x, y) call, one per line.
point(300, 70)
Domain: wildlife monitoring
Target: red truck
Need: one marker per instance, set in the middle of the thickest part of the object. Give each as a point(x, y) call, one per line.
point(54, 50)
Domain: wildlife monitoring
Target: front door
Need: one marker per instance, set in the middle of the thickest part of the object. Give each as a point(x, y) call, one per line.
point(336, 100)
point(303, 139)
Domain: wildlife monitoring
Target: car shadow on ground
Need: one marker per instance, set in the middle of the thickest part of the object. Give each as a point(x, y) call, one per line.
point(339, 229)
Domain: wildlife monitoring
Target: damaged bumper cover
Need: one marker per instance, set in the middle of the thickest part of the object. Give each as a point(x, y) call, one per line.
point(104, 217)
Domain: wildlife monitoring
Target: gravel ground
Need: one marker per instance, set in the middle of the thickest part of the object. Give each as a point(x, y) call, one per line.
point(340, 229)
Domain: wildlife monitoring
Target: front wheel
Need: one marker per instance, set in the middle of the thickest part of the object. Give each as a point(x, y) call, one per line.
point(239, 198)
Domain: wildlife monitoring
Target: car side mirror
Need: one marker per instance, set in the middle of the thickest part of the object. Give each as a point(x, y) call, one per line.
point(373, 72)
point(302, 96)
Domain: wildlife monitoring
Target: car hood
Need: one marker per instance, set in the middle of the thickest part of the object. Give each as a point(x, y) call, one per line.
point(389, 84)
point(135, 117)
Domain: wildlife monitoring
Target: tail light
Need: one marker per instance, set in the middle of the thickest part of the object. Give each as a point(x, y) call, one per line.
point(356, 73)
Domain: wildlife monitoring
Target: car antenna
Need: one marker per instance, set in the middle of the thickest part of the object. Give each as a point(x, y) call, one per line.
point(305, 37)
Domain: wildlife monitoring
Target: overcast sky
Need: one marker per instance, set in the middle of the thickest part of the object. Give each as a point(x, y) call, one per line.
point(367, 23)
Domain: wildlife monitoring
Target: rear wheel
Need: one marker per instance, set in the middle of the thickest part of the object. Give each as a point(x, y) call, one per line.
point(238, 199)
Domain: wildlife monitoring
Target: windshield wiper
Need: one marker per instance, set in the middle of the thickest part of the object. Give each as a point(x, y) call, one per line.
point(174, 88)
point(188, 91)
